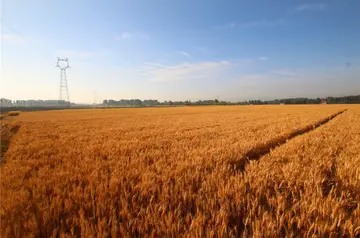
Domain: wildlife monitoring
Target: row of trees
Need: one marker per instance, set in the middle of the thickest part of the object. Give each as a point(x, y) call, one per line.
point(140, 103)
point(286, 101)
point(328, 100)
point(150, 102)
point(199, 102)
point(131, 102)
point(344, 100)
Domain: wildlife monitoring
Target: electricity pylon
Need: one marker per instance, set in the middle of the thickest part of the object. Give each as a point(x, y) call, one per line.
point(63, 79)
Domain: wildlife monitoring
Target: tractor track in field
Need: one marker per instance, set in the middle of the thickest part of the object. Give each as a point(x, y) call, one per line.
point(263, 149)
point(7, 131)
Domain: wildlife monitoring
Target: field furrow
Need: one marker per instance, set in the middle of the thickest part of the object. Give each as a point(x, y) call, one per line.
point(262, 149)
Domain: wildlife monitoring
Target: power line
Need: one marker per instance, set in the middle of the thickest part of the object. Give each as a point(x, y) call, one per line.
point(12, 29)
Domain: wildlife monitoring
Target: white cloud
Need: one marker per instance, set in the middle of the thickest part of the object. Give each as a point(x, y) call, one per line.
point(254, 24)
point(263, 58)
point(124, 36)
point(11, 38)
point(187, 71)
point(283, 83)
point(202, 49)
point(246, 61)
point(272, 23)
point(262, 23)
point(308, 7)
point(74, 54)
point(131, 36)
point(285, 72)
point(154, 65)
point(185, 54)
point(147, 67)
point(231, 25)
point(302, 8)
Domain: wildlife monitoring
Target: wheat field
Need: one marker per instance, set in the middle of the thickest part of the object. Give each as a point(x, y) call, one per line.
point(217, 171)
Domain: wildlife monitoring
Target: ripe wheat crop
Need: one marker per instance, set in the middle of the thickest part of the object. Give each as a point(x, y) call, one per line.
point(310, 186)
point(174, 172)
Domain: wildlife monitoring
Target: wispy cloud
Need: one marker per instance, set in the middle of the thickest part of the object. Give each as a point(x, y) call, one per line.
point(11, 38)
point(263, 58)
point(246, 60)
point(231, 25)
point(202, 49)
point(285, 72)
point(276, 22)
point(75, 53)
point(123, 36)
point(185, 54)
point(186, 71)
point(253, 24)
point(308, 7)
point(154, 65)
point(147, 67)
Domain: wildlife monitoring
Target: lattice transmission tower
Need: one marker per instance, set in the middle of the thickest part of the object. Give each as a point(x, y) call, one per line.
point(63, 64)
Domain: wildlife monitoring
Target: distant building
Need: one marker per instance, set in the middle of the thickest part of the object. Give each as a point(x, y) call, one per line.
point(5, 102)
point(39, 103)
point(323, 101)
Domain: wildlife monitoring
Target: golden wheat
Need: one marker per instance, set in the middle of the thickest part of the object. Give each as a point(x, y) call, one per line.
point(170, 172)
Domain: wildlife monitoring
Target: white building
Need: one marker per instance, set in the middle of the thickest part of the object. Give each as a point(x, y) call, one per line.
point(5, 102)
point(39, 103)
point(32, 103)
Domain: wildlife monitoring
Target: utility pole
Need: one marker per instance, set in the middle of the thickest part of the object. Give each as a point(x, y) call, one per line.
point(63, 79)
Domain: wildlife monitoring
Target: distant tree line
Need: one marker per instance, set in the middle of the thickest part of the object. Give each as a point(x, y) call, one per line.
point(131, 102)
point(199, 102)
point(150, 102)
point(343, 100)
point(286, 101)
point(328, 100)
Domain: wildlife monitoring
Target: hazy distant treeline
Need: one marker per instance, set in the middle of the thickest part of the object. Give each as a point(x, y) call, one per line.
point(150, 102)
point(343, 100)
point(328, 100)
point(131, 102)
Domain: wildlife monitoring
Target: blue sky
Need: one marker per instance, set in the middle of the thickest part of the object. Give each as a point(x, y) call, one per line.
point(180, 50)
